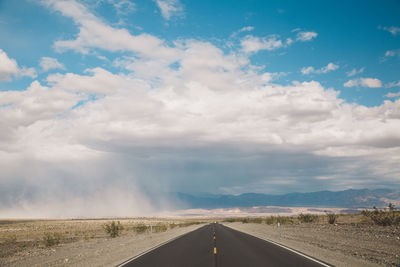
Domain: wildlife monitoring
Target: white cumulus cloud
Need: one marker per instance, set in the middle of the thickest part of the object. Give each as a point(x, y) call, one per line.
point(246, 29)
point(49, 63)
point(9, 67)
point(393, 94)
point(354, 72)
point(253, 44)
point(306, 36)
point(328, 68)
point(94, 33)
point(364, 82)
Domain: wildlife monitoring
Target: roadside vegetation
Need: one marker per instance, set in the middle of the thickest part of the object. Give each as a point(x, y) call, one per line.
point(332, 217)
point(51, 239)
point(383, 217)
point(113, 229)
point(19, 235)
point(307, 218)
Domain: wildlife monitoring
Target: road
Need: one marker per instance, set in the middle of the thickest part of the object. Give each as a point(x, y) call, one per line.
point(216, 245)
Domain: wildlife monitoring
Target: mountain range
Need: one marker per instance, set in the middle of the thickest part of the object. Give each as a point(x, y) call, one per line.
point(351, 198)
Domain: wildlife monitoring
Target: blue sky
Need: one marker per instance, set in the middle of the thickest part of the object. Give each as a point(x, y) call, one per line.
point(352, 35)
point(195, 96)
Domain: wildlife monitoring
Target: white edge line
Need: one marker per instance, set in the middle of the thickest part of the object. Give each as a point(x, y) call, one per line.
point(292, 250)
point(153, 248)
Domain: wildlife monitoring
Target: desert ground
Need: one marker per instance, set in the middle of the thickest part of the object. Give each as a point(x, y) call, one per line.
point(83, 242)
point(351, 240)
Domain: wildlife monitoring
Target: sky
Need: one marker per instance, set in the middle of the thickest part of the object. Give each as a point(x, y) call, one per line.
point(106, 106)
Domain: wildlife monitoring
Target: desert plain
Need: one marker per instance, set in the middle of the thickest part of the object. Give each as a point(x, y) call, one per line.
point(352, 240)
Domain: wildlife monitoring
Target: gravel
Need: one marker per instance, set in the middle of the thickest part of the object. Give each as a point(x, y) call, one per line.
point(339, 245)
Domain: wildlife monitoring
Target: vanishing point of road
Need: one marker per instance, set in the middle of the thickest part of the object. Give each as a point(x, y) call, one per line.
point(215, 245)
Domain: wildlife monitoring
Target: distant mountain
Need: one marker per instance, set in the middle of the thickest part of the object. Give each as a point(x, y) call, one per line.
point(363, 198)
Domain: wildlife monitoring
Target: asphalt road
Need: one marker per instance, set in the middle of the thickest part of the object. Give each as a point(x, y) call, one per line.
point(229, 248)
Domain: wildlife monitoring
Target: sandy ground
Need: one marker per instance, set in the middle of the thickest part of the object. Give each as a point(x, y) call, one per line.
point(353, 241)
point(94, 249)
point(340, 245)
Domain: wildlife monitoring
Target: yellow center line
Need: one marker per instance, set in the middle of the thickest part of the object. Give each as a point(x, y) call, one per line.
point(215, 250)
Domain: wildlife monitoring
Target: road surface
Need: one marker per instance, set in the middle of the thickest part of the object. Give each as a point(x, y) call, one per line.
point(215, 245)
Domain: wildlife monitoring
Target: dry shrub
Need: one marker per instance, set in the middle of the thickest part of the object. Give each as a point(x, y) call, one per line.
point(284, 220)
point(113, 229)
point(140, 228)
point(160, 227)
point(51, 239)
point(332, 217)
point(383, 217)
point(307, 218)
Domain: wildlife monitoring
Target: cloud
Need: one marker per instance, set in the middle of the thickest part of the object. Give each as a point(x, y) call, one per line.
point(186, 117)
point(289, 41)
point(170, 8)
point(253, 44)
point(9, 67)
point(306, 36)
point(100, 82)
point(392, 53)
point(243, 29)
point(36, 103)
point(393, 30)
point(123, 7)
point(246, 29)
point(328, 68)
point(94, 33)
point(364, 82)
point(49, 63)
point(354, 72)
point(393, 84)
point(392, 95)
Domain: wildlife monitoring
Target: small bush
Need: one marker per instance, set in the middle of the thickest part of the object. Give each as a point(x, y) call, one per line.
point(160, 227)
point(51, 239)
point(270, 220)
point(307, 218)
point(140, 228)
point(113, 229)
point(284, 220)
point(383, 217)
point(332, 217)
